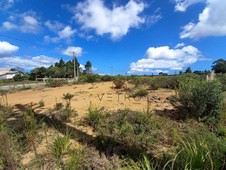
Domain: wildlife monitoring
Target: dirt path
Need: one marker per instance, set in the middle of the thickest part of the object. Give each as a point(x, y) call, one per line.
point(99, 94)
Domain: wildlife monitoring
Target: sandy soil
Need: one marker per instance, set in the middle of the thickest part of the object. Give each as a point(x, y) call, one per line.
point(98, 94)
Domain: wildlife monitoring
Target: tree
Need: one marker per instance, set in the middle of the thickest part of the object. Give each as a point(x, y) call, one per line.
point(219, 66)
point(88, 67)
point(188, 70)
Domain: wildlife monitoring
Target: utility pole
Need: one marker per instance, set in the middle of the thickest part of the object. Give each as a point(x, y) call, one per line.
point(74, 67)
point(77, 71)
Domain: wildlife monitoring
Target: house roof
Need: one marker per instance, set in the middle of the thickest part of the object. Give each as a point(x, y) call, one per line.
point(4, 71)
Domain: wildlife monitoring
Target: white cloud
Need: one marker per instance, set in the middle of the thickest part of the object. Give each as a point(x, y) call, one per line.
point(69, 51)
point(9, 26)
point(28, 62)
point(93, 14)
point(27, 22)
point(6, 4)
point(66, 33)
point(179, 45)
point(54, 25)
point(163, 59)
point(182, 5)
point(7, 49)
point(212, 22)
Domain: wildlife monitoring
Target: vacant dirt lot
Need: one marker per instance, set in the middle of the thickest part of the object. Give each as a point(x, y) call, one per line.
point(98, 94)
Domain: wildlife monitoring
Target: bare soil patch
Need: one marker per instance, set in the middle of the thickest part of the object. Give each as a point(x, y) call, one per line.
point(97, 94)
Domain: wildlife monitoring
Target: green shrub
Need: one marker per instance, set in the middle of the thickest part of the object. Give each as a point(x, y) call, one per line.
point(201, 99)
point(94, 115)
point(92, 78)
point(106, 78)
point(55, 83)
point(18, 77)
point(41, 103)
point(119, 82)
point(222, 79)
point(136, 132)
point(140, 93)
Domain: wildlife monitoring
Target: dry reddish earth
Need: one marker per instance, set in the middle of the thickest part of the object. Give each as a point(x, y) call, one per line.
point(98, 94)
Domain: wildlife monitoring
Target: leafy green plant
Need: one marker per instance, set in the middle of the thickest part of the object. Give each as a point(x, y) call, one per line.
point(201, 99)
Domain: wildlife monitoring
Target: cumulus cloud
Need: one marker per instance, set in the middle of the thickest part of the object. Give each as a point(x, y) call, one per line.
point(212, 22)
point(66, 33)
point(93, 14)
point(28, 62)
point(54, 25)
point(7, 49)
point(70, 50)
point(182, 5)
point(162, 59)
point(27, 22)
point(179, 45)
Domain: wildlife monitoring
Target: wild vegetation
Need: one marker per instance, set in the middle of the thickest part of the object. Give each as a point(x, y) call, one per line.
point(192, 135)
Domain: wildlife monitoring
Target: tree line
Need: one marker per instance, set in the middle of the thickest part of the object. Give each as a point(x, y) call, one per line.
point(60, 69)
point(64, 69)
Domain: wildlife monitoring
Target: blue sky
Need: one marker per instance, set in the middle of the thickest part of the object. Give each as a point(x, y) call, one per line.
point(119, 36)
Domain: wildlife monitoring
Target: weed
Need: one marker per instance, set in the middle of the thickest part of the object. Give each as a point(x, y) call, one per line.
point(60, 146)
point(94, 115)
point(6, 155)
point(41, 103)
point(140, 93)
point(68, 97)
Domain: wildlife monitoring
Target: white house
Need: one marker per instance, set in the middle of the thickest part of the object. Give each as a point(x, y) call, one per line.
point(7, 73)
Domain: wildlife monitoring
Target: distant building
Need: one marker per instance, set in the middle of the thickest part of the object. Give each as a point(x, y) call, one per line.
point(7, 73)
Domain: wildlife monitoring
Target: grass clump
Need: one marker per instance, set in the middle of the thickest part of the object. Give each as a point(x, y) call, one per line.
point(94, 116)
point(140, 93)
point(61, 145)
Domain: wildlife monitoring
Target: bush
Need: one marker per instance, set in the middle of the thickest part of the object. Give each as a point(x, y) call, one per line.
point(201, 99)
point(140, 93)
point(94, 115)
point(92, 78)
point(222, 79)
point(55, 83)
point(106, 78)
point(127, 131)
point(119, 82)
